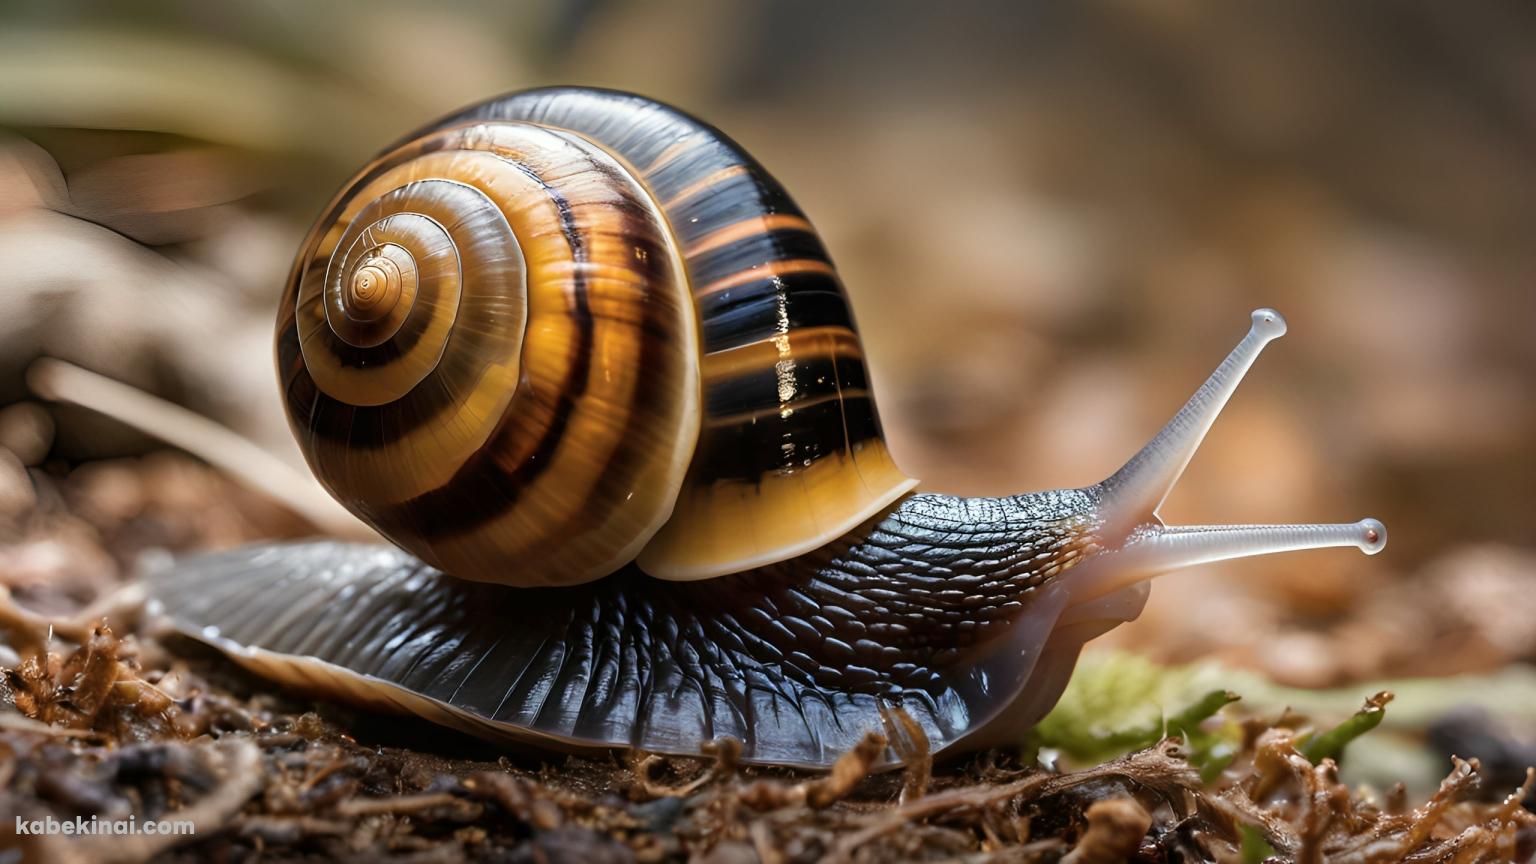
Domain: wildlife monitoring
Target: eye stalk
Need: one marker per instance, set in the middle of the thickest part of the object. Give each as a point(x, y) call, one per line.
point(1138, 489)
point(1138, 545)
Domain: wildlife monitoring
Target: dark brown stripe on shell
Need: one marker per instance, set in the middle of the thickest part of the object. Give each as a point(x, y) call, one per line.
point(750, 290)
point(640, 131)
point(741, 197)
point(377, 426)
point(480, 490)
point(747, 452)
point(754, 311)
point(801, 377)
point(752, 252)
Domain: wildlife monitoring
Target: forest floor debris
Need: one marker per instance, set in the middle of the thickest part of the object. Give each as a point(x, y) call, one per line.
point(101, 719)
point(100, 731)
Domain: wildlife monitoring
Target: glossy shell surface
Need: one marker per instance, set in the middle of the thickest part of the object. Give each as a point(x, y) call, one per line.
point(567, 328)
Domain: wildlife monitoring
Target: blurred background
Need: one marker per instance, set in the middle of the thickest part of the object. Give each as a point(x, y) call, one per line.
point(1053, 220)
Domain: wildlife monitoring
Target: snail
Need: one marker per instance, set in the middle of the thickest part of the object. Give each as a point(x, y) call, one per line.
point(580, 351)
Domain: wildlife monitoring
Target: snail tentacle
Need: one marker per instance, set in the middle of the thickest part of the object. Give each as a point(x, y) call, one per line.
point(1131, 497)
point(1138, 489)
point(1152, 550)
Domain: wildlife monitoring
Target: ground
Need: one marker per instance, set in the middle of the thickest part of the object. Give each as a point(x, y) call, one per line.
point(107, 717)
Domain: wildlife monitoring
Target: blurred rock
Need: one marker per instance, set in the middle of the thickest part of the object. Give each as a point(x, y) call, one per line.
point(17, 496)
point(1505, 753)
point(108, 492)
point(58, 570)
point(26, 429)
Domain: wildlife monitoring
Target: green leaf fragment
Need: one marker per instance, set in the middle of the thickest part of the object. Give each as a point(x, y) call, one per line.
point(1255, 849)
point(1118, 702)
point(1111, 708)
point(1190, 718)
point(1330, 744)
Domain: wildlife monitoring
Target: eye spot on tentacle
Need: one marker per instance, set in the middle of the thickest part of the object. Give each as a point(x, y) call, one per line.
point(1373, 536)
point(1268, 323)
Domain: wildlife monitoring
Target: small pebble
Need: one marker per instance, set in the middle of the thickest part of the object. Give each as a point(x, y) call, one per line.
point(113, 491)
point(26, 429)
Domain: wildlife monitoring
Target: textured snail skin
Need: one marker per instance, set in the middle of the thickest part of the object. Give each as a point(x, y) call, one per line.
point(944, 606)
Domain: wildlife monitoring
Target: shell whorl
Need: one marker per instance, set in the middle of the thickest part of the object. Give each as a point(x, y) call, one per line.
point(488, 344)
point(504, 339)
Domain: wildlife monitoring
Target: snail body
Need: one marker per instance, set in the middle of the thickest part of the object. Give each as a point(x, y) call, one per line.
point(580, 344)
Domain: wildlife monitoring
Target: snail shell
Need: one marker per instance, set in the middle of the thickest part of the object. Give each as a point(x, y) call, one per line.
point(570, 328)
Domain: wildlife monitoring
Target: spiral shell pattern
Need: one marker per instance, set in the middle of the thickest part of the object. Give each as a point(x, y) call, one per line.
point(489, 353)
point(570, 328)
